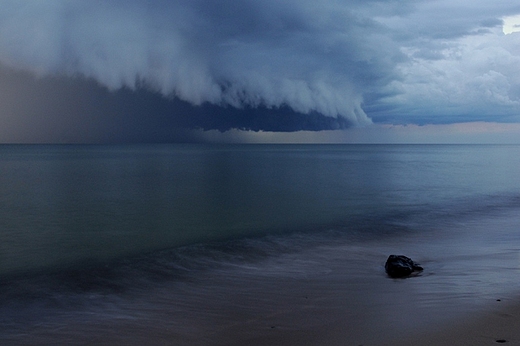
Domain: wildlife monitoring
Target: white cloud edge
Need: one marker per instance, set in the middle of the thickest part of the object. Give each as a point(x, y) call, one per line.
point(456, 133)
point(511, 24)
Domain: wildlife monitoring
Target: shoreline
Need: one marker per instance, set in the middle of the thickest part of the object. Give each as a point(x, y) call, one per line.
point(239, 306)
point(334, 293)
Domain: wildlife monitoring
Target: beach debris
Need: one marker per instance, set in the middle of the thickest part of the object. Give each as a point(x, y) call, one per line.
point(399, 266)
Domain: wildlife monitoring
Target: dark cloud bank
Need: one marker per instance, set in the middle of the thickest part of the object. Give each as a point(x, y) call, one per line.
point(64, 109)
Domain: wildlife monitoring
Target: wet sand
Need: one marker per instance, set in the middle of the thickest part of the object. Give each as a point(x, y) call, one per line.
point(500, 324)
point(294, 321)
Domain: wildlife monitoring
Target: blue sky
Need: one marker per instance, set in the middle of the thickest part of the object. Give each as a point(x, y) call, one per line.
point(271, 70)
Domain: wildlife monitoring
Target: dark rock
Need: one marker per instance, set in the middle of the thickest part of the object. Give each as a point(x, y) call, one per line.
point(399, 266)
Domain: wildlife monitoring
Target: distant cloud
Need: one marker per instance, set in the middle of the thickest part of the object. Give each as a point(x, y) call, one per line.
point(458, 133)
point(477, 78)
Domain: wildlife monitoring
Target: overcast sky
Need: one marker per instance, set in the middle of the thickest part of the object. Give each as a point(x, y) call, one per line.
point(353, 70)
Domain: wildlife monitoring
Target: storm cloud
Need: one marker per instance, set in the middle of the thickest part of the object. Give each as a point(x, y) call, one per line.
point(267, 65)
point(304, 55)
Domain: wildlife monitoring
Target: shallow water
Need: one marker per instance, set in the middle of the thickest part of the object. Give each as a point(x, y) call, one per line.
point(236, 244)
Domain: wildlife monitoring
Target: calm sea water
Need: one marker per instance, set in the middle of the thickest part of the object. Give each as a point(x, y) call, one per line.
point(84, 230)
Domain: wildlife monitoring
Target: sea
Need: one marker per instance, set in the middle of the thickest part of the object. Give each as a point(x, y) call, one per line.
point(198, 244)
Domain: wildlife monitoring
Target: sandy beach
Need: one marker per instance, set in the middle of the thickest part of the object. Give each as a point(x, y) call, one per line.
point(499, 324)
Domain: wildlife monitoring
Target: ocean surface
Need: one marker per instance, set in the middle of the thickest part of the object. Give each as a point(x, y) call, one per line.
point(188, 244)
